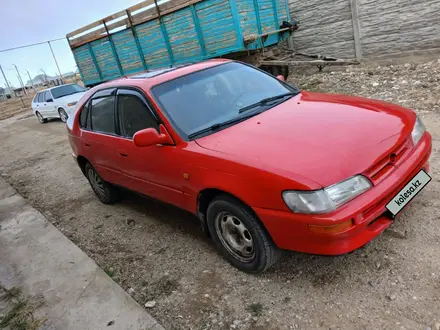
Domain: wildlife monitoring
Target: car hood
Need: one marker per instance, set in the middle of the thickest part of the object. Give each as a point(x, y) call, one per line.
point(70, 98)
point(325, 138)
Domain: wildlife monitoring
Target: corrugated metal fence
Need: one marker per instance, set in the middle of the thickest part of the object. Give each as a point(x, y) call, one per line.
point(366, 28)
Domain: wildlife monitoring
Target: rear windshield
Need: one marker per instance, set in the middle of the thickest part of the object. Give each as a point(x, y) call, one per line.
point(65, 90)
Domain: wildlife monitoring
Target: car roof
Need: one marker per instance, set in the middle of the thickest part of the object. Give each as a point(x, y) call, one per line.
point(49, 89)
point(149, 79)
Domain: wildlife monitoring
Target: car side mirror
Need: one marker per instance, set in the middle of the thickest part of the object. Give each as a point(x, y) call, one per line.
point(280, 77)
point(49, 100)
point(149, 136)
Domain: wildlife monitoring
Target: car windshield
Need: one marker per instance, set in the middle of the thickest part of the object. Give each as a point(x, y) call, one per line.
point(65, 90)
point(205, 101)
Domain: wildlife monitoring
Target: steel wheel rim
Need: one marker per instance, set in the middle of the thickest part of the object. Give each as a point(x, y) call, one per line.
point(40, 117)
point(235, 236)
point(96, 182)
point(63, 115)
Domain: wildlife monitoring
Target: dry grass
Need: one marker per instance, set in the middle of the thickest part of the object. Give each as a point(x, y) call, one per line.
point(12, 107)
point(19, 313)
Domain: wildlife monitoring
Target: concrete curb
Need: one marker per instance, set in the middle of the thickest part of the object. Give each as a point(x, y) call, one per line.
point(36, 256)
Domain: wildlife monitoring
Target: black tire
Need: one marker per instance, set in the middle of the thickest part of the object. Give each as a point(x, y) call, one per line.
point(105, 192)
point(63, 115)
point(264, 254)
point(40, 118)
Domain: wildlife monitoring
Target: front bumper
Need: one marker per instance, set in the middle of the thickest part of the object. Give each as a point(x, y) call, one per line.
point(368, 213)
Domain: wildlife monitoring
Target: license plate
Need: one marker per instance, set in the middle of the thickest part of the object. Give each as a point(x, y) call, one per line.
point(403, 197)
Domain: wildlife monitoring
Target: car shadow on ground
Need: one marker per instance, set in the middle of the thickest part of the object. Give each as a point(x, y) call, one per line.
point(174, 217)
point(315, 268)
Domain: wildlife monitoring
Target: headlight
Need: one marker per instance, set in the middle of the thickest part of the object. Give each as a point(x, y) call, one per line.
point(71, 104)
point(418, 131)
point(328, 199)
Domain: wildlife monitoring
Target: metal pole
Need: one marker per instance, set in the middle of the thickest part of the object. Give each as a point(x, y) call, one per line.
point(21, 98)
point(356, 29)
point(6, 80)
point(59, 71)
point(19, 78)
point(32, 82)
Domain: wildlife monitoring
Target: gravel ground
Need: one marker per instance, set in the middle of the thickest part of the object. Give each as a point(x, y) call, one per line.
point(158, 254)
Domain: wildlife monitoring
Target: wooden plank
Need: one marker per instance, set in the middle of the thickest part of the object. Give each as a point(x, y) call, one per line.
point(151, 13)
point(165, 8)
point(95, 35)
point(314, 62)
point(123, 22)
point(109, 18)
point(141, 5)
point(88, 38)
point(144, 16)
point(141, 18)
point(84, 29)
point(114, 16)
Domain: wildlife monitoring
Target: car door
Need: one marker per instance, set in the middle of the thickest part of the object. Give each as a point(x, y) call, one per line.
point(49, 105)
point(98, 136)
point(35, 103)
point(45, 104)
point(39, 103)
point(153, 171)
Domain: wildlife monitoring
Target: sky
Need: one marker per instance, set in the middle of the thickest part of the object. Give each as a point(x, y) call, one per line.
point(24, 22)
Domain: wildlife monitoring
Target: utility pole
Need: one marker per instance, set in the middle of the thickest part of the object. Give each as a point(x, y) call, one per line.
point(53, 54)
point(19, 78)
point(6, 80)
point(32, 82)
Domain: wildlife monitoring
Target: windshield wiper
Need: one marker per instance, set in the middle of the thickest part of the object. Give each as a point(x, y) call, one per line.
point(267, 100)
point(223, 124)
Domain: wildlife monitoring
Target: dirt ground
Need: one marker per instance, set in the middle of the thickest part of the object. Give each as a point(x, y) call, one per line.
point(157, 252)
point(15, 106)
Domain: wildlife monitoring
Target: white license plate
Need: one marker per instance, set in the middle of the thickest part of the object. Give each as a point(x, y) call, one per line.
point(403, 197)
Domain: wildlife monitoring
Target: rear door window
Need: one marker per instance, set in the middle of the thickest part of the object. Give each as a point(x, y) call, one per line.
point(47, 96)
point(41, 97)
point(84, 115)
point(35, 100)
point(103, 115)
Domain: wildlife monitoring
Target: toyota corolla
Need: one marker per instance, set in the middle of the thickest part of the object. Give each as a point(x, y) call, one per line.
point(263, 165)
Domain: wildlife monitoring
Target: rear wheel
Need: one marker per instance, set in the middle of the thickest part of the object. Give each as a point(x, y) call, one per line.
point(105, 192)
point(40, 118)
point(239, 235)
point(63, 115)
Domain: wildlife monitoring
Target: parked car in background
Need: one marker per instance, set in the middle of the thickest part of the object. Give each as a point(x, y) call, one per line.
point(263, 165)
point(56, 102)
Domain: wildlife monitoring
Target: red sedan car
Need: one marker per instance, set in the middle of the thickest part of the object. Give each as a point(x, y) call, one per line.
point(263, 165)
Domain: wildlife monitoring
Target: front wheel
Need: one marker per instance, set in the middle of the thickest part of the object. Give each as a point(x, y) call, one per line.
point(105, 192)
point(239, 235)
point(63, 115)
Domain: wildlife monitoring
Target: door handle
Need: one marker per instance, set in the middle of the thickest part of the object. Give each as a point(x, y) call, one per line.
point(86, 144)
point(122, 153)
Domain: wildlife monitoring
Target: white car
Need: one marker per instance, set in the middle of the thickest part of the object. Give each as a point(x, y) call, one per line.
point(56, 102)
